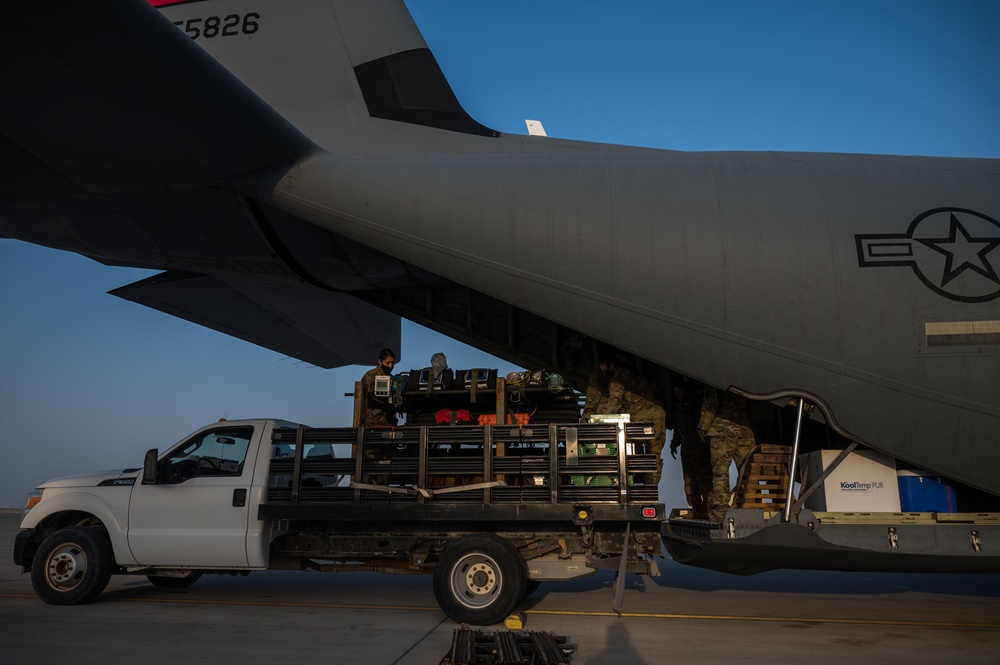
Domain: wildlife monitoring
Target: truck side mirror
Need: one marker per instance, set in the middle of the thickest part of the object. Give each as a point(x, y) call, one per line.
point(149, 475)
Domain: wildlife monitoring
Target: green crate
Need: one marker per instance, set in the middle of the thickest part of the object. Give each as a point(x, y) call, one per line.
point(597, 449)
point(597, 480)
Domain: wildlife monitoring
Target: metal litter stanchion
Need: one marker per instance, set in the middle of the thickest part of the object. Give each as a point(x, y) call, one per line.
point(794, 462)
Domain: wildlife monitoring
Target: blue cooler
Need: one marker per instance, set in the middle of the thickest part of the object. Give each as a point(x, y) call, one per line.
point(923, 492)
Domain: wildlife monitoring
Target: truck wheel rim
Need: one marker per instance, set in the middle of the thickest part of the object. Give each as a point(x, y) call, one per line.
point(476, 580)
point(66, 567)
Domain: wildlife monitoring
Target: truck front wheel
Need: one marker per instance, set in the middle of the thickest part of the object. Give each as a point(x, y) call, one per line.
point(479, 579)
point(72, 566)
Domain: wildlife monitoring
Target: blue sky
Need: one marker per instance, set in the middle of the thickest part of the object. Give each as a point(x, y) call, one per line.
point(88, 381)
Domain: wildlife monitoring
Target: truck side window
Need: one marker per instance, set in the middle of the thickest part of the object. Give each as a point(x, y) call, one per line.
point(219, 452)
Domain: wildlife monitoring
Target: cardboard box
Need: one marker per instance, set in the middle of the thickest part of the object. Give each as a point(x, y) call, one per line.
point(864, 482)
point(923, 492)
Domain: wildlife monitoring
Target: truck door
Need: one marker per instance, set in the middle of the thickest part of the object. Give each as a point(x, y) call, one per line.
point(197, 514)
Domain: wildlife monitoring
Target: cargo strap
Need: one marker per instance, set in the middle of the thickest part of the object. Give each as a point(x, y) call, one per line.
point(414, 490)
point(619, 595)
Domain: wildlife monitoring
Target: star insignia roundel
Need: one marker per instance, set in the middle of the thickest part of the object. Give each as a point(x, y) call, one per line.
point(954, 251)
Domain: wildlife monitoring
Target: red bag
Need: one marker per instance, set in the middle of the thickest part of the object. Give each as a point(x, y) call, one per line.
point(452, 417)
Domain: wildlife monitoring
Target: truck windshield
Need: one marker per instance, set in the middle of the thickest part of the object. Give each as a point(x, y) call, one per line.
point(219, 452)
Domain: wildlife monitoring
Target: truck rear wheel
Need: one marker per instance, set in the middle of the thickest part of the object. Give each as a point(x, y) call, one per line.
point(72, 566)
point(479, 579)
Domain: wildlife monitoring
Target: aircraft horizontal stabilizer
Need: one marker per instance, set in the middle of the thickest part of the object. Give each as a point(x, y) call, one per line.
point(325, 328)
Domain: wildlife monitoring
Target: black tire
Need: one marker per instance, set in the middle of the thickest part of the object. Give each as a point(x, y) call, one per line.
point(72, 566)
point(531, 587)
point(480, 579)
point(165, 582)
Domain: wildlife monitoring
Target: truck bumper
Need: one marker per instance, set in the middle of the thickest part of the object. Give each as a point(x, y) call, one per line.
point(24, 549)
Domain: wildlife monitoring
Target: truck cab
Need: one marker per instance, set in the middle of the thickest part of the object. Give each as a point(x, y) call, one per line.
point(204, 489)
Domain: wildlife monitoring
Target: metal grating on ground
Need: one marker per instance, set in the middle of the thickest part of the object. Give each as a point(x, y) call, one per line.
point(514, 647)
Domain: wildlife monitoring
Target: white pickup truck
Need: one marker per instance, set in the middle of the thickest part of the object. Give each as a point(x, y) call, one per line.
point(490, 511)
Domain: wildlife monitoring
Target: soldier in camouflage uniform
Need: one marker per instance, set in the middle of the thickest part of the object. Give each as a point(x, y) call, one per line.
point(597, 393)
point(696, 460)
point(378, 411)
point(629, 392)
point(725, 425)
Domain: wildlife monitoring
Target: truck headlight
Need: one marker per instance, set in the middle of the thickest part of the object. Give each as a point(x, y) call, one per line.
point(30, 501)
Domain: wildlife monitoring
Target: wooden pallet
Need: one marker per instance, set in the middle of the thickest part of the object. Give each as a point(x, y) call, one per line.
point(763, 481)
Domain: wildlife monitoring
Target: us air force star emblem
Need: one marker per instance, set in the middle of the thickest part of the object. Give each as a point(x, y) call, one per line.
point(951, 250)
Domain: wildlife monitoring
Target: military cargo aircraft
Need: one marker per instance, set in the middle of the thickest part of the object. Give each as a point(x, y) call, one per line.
point(308, 213)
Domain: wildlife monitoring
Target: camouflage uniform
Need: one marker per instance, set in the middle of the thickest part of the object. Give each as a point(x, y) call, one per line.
point(378, 410)
point(696, 460)
point(725, 424)
point(629, 393)
point(597, 395)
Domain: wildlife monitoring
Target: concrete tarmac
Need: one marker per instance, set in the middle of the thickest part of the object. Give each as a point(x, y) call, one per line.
point(687, 615)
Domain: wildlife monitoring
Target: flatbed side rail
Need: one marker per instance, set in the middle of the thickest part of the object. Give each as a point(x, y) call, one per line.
point(554, 463)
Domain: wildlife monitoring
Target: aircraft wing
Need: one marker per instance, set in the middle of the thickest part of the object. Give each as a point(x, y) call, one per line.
point(327, 328)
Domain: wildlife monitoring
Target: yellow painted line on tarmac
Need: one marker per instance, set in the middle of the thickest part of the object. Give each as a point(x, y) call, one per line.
point(745, 617)
point(537, 612)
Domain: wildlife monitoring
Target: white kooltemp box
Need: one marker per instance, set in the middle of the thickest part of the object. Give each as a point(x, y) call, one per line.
point(864, 482)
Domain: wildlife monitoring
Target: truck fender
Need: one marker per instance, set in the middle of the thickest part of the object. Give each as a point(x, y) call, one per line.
point(89, 504)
